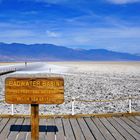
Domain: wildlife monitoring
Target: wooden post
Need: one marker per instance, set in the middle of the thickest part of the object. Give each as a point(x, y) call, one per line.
point(34, 122)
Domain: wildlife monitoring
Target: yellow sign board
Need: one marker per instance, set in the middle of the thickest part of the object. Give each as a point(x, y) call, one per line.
point(48, 90)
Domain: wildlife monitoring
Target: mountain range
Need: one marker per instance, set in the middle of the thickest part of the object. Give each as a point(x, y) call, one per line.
point(50, 52)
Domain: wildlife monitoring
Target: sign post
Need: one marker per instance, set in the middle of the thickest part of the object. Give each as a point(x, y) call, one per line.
point(34, 91)
point(35, 122)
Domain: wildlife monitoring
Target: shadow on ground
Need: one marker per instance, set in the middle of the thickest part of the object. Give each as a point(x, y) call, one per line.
point(27, 128)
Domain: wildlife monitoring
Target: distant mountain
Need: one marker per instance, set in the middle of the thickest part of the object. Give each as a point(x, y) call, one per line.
point(49, 52)
point(137, 54)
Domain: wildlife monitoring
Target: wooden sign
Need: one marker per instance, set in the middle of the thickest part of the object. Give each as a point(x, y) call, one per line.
point(34, 91)
point(48, 90)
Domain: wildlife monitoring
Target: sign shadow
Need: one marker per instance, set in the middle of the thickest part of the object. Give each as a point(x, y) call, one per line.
point(27, 128)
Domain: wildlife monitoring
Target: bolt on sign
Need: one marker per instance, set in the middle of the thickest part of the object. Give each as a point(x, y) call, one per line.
point(34, 90)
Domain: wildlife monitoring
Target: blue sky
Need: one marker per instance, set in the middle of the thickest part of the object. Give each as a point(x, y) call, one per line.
point(86, 24)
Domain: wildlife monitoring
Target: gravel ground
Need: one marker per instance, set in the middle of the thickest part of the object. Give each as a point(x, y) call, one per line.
point(87, 85)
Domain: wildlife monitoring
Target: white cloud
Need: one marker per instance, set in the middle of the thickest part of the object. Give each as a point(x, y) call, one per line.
point(118, 39)
point(53, 1)
point(123, 1)
point(90, 35)
point(18, 33)
point(52, 34)
point(82, 1)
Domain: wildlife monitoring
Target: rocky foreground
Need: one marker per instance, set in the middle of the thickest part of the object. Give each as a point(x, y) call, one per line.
point(87, 85)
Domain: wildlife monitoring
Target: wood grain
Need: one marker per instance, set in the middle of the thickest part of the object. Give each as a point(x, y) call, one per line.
point(24, 90)
point(34, 122)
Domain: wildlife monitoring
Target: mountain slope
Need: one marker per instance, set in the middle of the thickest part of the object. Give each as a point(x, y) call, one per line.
point(44, 52)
